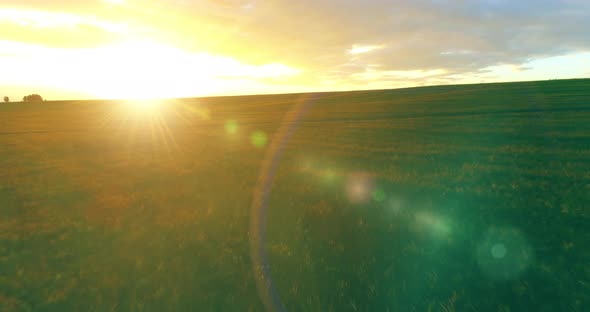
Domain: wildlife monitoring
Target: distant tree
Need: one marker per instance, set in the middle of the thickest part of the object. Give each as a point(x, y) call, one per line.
point(33, 98)
point(6, 99)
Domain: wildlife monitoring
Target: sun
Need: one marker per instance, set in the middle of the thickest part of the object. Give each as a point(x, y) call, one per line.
point(141, 67)
point(145, 69)
point(143, 108)
point(115, 1)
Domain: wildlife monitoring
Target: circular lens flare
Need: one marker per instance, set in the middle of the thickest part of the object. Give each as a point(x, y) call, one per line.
point(504, 253)
point(359, 187)
point(231, 127)
point(258, 138)
point(498, 251)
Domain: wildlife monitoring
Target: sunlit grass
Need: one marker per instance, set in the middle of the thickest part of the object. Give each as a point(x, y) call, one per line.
point(120, 206)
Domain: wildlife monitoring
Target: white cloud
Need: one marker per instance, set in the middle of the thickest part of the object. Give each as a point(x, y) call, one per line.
point(132, 69)
point(361, 49)
point(43, 19)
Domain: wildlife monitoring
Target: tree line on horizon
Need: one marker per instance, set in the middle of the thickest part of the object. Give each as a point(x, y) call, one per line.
point(27, 98)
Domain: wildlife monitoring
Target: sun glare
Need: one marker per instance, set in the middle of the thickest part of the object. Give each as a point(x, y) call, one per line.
point(152, 70)
point(144, 69)
point(131, 64)
point(146, 107)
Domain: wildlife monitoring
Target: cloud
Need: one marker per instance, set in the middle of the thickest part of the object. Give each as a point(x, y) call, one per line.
point(42, 19)
point(330, 43)
point(58, 29)
point(457, 36)
point(133, 68)
point(360, 49)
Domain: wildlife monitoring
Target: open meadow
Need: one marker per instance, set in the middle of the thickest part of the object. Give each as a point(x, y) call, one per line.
point(448, 198)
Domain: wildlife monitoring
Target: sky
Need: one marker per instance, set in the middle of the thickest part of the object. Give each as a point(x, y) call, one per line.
point(90, 49)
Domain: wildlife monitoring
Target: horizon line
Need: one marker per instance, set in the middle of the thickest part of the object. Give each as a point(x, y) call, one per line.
point(310, 92)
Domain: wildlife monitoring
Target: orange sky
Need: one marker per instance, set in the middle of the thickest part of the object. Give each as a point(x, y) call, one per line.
point(151, 49)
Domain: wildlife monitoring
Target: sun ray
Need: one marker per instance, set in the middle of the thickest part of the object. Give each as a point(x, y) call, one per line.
point(154, 138)
point(174, 107)
point(162, 134)
point(168, 133)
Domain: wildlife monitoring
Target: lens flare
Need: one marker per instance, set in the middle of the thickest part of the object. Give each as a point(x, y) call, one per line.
point(258, 138)
point(231, 127)
point(359, 187)
point(260, 264)
point(395, 205)
point(498, 251)
point(504, 254)
point(429, 222)
point(378, 195)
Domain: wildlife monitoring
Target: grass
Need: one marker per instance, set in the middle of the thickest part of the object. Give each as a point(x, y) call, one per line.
point(103, 208)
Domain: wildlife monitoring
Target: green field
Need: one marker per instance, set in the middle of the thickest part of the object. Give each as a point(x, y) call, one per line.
point(449, 198)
